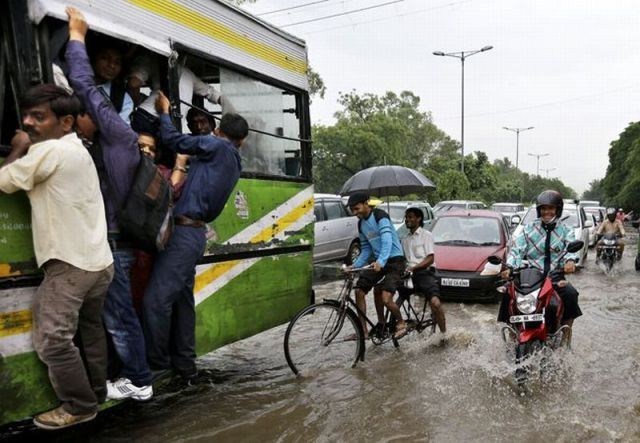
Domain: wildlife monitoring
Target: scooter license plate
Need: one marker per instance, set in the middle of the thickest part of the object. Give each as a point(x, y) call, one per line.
point(526, 318)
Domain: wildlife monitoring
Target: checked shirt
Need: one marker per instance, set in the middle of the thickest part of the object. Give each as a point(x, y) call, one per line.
point(529, 245)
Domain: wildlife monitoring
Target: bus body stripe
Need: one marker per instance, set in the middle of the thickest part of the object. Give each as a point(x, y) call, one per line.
point(16, 322)
point(214, 29)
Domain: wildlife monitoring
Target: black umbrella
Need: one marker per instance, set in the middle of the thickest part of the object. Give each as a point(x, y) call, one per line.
point(387, 180)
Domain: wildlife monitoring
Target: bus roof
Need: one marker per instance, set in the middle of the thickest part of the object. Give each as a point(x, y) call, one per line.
point(208, 26)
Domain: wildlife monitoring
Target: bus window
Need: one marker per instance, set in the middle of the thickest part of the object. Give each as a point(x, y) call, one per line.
point(267, 109)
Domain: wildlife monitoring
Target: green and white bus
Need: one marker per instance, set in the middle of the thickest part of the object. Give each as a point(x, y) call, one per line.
point(257, 269)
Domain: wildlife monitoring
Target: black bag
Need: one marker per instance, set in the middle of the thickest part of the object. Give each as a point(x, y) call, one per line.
point(146, 216)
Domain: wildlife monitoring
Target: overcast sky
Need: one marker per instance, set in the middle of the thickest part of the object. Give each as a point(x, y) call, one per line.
point(568, 68)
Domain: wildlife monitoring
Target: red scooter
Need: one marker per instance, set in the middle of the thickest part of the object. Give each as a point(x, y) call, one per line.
point(534, 312)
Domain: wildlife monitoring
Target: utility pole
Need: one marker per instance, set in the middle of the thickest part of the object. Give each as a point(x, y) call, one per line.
point(517, 131)
point(462, 55)
point(537, 156)
point(548, 170)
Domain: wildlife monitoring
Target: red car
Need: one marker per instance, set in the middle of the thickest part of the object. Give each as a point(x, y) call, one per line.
point(464, 240)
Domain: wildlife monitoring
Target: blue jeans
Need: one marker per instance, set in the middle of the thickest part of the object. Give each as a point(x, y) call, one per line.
point(122, 322)
point(169, 307)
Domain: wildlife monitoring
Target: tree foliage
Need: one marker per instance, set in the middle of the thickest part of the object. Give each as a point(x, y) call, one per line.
point(373, 130)
point(595, 191)
point(621, 184)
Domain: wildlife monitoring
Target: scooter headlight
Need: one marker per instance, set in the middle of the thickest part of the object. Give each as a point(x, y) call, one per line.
point(527, 302)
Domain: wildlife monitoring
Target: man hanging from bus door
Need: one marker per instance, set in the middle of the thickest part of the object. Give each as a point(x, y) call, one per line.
point(169, 304)
point(70, 242)
point(116, 165)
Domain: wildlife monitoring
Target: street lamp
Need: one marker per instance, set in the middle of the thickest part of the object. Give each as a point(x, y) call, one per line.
point(462, 55)
point(517, 131)
point(548, 170)
point(537, 156)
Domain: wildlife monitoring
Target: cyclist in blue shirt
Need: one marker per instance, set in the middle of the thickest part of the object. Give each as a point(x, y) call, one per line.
point(379, 242)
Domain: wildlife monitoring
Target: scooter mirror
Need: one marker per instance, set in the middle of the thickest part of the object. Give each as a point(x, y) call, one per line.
point(494, 260)
point(575, 246)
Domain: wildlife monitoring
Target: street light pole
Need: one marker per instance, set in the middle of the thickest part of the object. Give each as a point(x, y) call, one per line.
point(548, 170)
point(537, 156)
point(517, 131)
point(462, 55)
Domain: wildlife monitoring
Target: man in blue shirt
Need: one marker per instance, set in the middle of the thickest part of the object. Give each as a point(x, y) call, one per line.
point(114, 148)
point(169, 305)
point(378, 240)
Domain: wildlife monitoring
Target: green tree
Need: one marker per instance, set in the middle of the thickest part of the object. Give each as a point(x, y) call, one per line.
point(595, 191)
point(374, 130)
point(621, 183)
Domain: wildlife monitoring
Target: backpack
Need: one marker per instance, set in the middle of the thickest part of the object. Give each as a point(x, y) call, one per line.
point(379, 214)
point(146, 216)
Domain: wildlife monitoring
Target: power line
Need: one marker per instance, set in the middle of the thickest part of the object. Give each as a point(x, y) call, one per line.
point(541, 105)
point(293, 7)
point(353, 11)
point(350, 25)
point(311, 7)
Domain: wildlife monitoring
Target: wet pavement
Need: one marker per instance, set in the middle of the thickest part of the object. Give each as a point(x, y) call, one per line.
point(462, 391)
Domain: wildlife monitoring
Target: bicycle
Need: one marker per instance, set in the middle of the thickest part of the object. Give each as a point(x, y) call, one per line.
point(329, 334)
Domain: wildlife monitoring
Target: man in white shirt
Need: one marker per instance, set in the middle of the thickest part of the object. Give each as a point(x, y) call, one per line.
point(49, 162)
point(419, 251)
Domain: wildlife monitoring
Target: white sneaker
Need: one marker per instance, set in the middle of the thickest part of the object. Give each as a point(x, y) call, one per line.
point(123, 388)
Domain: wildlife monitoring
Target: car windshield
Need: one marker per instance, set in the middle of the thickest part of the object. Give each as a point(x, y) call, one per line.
point(506, 208)
point(569, 217)
point(466, 231)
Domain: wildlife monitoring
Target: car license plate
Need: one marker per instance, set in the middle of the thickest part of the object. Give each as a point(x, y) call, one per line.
point(459, 282)
point(526, 318)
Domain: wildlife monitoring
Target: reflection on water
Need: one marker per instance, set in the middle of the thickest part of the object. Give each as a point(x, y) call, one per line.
point(423, 391)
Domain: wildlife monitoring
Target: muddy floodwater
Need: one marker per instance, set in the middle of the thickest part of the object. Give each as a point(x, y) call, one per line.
point(423, 391)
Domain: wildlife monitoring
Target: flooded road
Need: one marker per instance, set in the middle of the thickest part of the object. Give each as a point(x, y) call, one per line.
point(461, 391)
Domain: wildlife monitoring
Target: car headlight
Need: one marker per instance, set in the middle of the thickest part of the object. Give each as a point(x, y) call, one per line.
point(527, 302)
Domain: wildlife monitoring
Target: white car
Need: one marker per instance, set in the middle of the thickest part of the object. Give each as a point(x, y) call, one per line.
point(397, 209)
point(572, 215)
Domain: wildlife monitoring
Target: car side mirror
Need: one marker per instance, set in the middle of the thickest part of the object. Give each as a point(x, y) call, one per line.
point(515, 220)
point(575, 246)
point(588, 224)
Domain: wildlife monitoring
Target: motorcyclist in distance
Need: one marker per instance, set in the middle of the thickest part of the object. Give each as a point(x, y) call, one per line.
point(542, 243)
point(612, 225)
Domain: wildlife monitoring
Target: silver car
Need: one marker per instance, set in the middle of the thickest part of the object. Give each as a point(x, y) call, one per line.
point(335, 230)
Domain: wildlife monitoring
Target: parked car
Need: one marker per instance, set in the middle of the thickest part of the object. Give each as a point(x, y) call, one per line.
point(573, 215)
point(464, 240)
point(335, 230)
point(448, 205)
point(397, 209)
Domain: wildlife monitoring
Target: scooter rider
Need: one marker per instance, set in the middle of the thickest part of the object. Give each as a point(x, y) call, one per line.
point(610, 226)
point(542, 243)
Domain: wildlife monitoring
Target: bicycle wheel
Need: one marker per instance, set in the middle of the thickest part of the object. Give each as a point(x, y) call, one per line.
point(319, 338)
